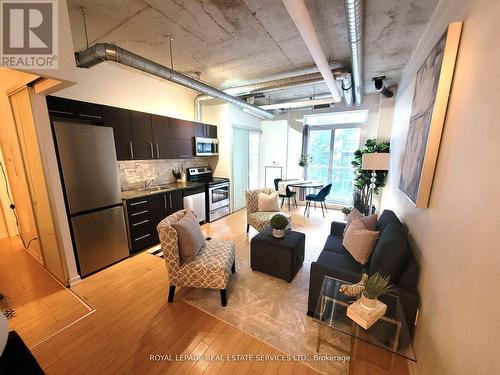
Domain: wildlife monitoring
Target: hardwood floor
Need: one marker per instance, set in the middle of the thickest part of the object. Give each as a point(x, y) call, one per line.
point(42, 305)
point(133, 321)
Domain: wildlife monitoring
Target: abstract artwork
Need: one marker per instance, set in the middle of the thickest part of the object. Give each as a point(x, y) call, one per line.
point(432, 88)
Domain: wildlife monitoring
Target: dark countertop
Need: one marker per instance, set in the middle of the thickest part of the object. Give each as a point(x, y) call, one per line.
point(131, 194)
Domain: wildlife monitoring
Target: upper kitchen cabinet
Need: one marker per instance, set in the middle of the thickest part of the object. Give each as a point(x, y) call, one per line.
point(205, 130)
point(173, 138)
point(119, 120)
point(160, 128)
point(142, 136)
point(62, 107)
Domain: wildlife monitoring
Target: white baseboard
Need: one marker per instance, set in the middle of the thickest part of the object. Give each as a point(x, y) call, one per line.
point(75, 280)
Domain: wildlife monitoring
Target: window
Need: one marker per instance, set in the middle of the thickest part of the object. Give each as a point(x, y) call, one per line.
point(332, 150)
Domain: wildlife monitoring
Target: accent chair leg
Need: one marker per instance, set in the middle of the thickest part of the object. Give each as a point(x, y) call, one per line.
point(233, 268)
point(282, 202)
point(248, 227)
point(322, 210)
point(288, 199)
point(223, 297)
point(295, 200)
point(305, 209)
point(326, 208)
point(171, 293)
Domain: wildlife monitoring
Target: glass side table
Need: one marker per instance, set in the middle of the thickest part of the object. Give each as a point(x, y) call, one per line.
point(389, 333)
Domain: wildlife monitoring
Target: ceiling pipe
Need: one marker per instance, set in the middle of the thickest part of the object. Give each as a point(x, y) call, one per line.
point(354, 15)
point(299, 103)
point(341, 76)
point(109, 52)
point(300, 16)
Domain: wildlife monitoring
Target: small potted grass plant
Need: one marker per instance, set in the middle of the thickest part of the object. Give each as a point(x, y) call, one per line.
point(346, 211)
point(375, 286)
point(279, 223)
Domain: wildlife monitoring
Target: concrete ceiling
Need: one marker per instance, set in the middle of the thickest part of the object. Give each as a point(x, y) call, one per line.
point(233, 42)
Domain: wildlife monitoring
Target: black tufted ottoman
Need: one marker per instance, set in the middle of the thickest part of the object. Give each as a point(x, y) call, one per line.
point(277, 257)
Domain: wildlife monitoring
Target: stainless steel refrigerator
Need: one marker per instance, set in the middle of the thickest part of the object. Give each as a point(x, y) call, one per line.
point(89, 169)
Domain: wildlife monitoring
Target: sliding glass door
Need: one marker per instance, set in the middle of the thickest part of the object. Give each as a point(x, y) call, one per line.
point(332, 150)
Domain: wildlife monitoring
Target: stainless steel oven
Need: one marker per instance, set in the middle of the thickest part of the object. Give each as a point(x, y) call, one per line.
point(206, 146)
point(218, 200)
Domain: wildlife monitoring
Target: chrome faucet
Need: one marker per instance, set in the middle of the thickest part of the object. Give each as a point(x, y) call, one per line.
point(148, 182)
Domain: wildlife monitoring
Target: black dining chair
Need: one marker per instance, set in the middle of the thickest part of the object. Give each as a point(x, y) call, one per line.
point(319, 197)
point(289, 194)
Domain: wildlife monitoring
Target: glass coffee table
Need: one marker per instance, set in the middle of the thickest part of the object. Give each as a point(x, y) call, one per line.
point(389, 333)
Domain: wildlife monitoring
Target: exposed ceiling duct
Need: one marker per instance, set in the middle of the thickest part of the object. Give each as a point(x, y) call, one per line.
point(300, 16)
point(108, 52)
point(341, 76)
point(354, 14)
point(300, 103)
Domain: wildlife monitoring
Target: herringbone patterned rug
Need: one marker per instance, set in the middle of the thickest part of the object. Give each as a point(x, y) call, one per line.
point(272, 310)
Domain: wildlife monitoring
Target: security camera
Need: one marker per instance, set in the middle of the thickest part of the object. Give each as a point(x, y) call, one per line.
point(380, 88)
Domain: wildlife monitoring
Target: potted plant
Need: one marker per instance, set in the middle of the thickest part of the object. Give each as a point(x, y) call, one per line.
point(375, 286)
point(279, 223)
point(346, 211)
point(177, 174)
point(361, 196)
point(304, 160)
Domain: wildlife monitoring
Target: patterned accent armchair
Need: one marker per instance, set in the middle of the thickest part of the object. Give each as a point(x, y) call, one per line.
point(210, 268)
point(260, 220)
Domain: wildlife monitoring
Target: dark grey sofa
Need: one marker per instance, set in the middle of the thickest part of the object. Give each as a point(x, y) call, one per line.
point(391, 256)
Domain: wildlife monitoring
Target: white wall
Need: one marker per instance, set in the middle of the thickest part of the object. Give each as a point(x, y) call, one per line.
point(273, 150)
point(456, 238)
point(112, 84)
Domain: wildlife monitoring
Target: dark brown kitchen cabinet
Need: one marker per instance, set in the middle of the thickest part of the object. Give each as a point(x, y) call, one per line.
point(212, 131)
point(181, 148)
point(180, 129)
point(144, 214)
point(119, 120)
point(205, 130)
point(163, 204)
point(62, 107)
point(160, 127)
point(142, 135)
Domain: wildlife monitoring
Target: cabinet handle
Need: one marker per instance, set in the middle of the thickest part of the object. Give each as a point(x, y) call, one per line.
point(137, 203)
point(152, 153)
point(61, 112)
point(170, 198)
point(184, 156)
point(157, 151)
point(90, 116)
point(131, 148)
point(140, 222)
point(140, 213)
point(165, 202)
point(142, 237)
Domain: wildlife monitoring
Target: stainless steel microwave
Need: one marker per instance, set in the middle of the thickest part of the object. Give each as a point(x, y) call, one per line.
point(206, 146)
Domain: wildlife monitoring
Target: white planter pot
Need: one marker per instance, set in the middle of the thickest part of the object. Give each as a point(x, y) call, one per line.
point(279, 233)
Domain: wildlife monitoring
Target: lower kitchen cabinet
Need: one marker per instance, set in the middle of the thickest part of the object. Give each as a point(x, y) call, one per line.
point(144, 214)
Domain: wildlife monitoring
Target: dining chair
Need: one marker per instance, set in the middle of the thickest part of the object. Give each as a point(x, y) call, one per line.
point(319, 197)
point(288, 194)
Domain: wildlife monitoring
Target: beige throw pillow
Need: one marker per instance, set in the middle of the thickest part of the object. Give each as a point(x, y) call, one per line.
point(190, 236)
point(354, 214)
point(360, 241)
point(369, 221)
point(268, 202)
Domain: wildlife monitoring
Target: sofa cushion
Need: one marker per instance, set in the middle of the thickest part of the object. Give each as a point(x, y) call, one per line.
point(334, 244)
point(359, 241)
point(190, 236)
point(386, 218)
point(342, 267)
point(391, 252)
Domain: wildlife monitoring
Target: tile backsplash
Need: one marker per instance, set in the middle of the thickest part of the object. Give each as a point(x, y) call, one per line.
point(133, 173)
